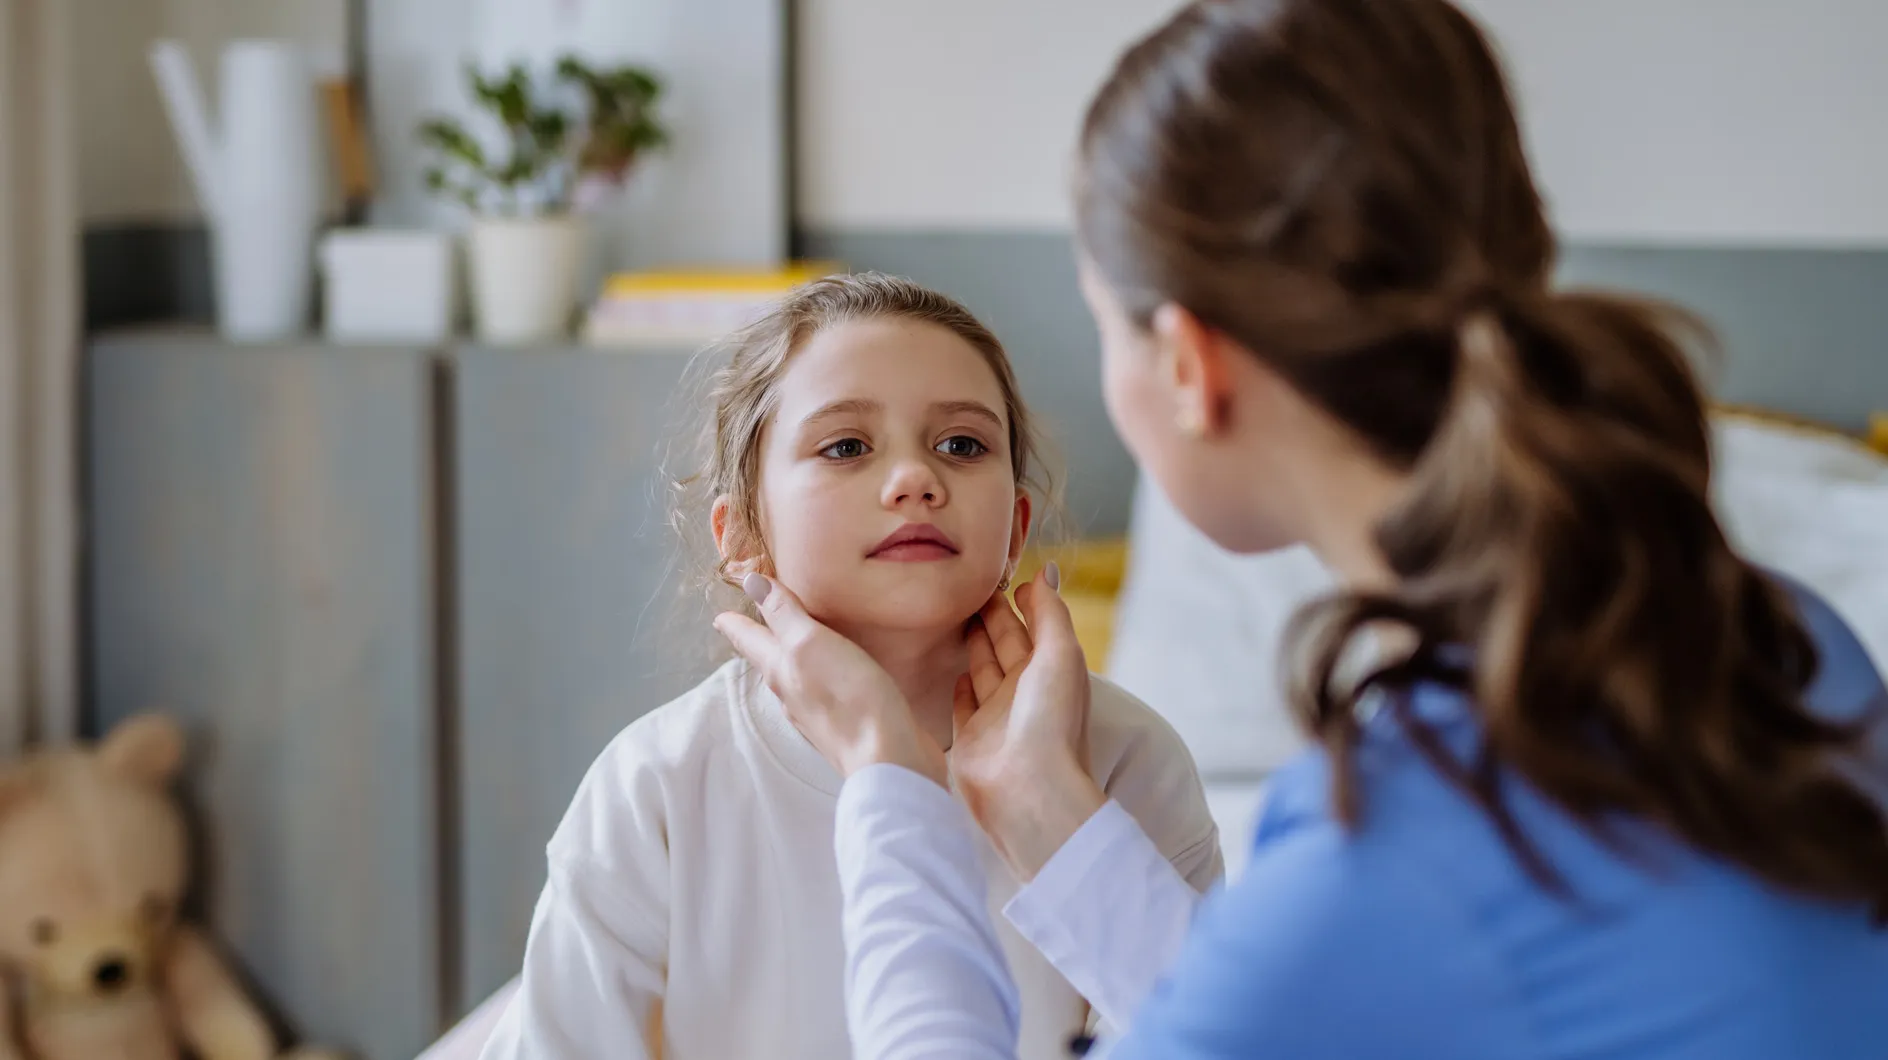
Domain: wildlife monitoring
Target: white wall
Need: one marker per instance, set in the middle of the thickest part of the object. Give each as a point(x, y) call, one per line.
point(1753, 121)
point(1694, 121)
point(718, 195)
point(129, 168)
point(917, 113)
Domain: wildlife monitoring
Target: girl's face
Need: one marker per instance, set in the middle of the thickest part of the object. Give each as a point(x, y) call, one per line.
point(886, 496)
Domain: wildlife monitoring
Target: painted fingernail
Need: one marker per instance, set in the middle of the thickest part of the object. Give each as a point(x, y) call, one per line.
point(1053, 575)
point(756, 586)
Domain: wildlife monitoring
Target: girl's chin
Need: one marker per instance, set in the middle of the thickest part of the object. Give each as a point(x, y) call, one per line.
point(909, 609)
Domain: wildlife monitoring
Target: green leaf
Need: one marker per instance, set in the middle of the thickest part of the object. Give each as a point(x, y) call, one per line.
point(548, 128)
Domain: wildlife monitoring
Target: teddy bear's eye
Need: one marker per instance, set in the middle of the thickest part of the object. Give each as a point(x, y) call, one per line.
point(45, 932)
point(155, 909)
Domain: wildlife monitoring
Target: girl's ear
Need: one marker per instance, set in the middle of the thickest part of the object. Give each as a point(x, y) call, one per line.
point(1019, 527)
point(718, 520)
point(737, 555)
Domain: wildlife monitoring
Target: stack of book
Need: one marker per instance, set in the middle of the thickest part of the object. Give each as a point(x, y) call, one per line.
point(689, 309)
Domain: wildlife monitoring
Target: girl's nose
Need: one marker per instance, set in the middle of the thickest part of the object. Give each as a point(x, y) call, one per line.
point(913, 481)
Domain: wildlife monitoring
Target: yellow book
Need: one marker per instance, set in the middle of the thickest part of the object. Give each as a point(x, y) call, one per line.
point(682, 309)
point(716, 281)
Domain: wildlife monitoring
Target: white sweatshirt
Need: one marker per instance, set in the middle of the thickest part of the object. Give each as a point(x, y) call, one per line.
point(693, 909)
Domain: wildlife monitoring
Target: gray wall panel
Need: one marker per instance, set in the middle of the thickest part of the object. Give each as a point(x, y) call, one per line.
point(571, 622)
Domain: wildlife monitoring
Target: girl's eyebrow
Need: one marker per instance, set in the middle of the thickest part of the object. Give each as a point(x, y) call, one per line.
point(969, 408)
point(867, 407)
point(847, 407)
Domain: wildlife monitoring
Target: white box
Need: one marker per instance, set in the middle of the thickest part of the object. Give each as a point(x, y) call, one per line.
point(383, 285)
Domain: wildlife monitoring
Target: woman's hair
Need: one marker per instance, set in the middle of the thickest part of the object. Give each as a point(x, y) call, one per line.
point(1340, 186)
point(743, 392)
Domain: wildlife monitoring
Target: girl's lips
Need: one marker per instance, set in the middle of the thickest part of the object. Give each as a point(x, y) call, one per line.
point(913, 552)
point(915, 542)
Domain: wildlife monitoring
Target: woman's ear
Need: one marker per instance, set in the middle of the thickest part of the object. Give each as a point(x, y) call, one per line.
point(1195, 359)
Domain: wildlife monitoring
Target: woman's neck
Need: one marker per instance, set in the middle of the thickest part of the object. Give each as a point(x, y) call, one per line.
point(1340, 516)
point(925, 666)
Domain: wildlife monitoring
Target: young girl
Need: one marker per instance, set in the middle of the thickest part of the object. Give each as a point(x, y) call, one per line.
point(870, 453)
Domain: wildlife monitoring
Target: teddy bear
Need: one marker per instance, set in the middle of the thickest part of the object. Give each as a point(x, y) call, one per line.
point(95, 962)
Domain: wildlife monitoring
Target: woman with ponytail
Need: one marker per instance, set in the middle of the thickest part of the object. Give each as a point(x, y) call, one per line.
point(1587, 783)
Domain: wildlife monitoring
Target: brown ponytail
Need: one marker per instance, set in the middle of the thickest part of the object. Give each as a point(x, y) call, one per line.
point(1340, 186)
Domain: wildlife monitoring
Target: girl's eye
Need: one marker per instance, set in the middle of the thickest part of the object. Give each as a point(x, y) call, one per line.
point(962, 446)
point(844, 449)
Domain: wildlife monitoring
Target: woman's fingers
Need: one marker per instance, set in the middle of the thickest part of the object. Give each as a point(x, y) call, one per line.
point(778, 607)
point(1050, 624)
point(963, 704)
point(755, 642)
point(1007, 633)
point(986, 674)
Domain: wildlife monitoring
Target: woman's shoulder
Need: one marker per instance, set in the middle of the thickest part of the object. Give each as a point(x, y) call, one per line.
point(1848, 685)
point(1312, 908)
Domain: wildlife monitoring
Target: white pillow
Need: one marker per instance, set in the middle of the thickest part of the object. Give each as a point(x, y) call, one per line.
point(1197, 634)
point(1814, 508)
point(1198, 630)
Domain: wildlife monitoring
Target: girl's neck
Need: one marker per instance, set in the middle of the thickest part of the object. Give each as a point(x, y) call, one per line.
point(925, 666)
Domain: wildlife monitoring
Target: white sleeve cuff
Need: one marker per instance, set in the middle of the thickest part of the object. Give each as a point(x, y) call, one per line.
point(1109, 912)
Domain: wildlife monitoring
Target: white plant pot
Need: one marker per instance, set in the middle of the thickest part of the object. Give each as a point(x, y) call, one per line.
point(385, 286)
point(524, 277)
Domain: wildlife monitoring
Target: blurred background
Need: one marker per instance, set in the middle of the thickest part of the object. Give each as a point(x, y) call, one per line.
point(344, 342)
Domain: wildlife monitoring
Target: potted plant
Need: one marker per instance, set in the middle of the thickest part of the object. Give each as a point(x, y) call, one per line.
point(525, 246)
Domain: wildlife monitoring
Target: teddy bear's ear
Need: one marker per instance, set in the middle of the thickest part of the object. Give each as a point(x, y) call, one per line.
point(145, 747)
point(12, 786)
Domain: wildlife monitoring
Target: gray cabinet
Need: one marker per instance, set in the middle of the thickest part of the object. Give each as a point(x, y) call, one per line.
point(570, 619)
point(260, 560)
point(402, 599)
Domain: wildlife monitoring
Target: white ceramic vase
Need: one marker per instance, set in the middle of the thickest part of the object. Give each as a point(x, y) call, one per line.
point(257, 175)
point(524, 277)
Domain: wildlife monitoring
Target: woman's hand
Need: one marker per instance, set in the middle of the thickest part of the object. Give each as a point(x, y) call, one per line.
point(1021, 726)
point(839, 697)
